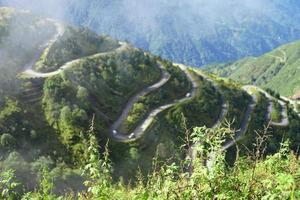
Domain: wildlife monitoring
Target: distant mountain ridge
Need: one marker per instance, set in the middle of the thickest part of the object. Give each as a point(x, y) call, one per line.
point(278, 70)
point(192, 32)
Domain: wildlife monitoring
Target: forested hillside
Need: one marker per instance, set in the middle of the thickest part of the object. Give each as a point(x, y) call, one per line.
point(93, 116)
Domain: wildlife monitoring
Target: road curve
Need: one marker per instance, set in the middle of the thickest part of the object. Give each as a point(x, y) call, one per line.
point(284, 115)
point(164, 79)
point(30, 73)
point(238, 135)
point(246, 121)
point(225, 105)
point(47, 45)
point(143, 126)
point(284, 120)
point(294, 103)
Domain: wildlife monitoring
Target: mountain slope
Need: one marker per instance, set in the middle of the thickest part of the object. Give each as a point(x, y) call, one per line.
point(140, 105)
point(193, 32)
point(278, 70)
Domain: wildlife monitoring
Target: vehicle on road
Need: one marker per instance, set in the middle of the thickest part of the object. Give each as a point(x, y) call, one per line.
point(188, 95)
point(131, 136)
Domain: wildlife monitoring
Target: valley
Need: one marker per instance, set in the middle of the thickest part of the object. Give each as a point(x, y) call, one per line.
point(78, 96)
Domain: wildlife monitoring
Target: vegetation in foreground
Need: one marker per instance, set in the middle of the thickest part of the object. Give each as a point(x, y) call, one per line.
point(251, 177)
point(44, 149)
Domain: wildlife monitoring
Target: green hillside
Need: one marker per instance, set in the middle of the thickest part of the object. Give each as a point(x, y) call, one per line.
point(78, 96)
point(74, 43)
point(278, 70)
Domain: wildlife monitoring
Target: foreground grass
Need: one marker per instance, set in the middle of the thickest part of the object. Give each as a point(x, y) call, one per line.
point(251, 177)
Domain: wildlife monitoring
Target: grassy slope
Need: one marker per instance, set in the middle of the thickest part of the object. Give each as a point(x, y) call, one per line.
point(278, 70)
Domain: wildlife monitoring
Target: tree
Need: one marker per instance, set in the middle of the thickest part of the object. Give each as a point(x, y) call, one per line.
point(7, 141)
point(79, 116)
point(66, 115)
point(134, 153)
point(98, 168)
point(82, 93)
point(8, 185)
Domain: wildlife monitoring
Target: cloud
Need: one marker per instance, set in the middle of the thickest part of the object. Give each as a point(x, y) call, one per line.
point(161, 26)
point(54, 8)
point(147, 12)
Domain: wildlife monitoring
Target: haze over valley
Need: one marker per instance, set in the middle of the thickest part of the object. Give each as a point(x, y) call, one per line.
point(195, 32)
point(149, 99)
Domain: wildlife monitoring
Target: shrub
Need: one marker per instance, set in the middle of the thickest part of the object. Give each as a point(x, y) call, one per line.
point(7, 141)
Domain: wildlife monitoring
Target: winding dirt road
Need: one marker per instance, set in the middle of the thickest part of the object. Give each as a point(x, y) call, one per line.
point(192, 152)
point(225, 104)
point(246, 121)
point(249, 89)
point(115, 126)
point(284, 115)
point(31, 74)
point(238, 135)
point(294, 103)
point(60, 30)
point(143, 126)
point(281, 59)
